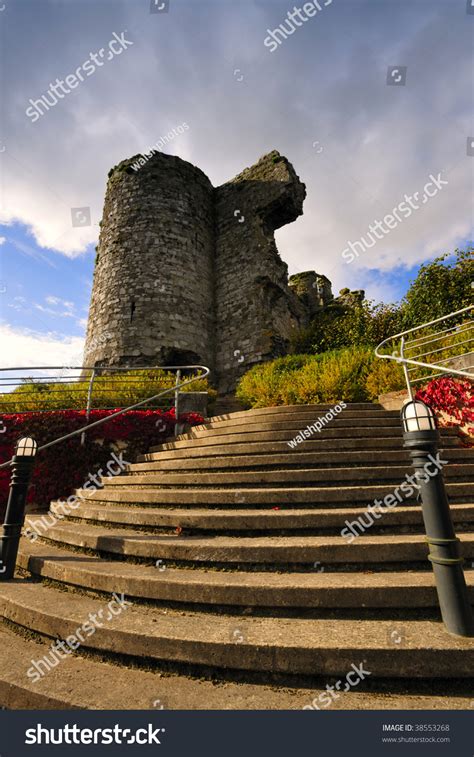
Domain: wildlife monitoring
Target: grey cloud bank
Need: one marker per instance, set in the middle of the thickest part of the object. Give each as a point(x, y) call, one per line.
point(327, 83)
point(62, 87)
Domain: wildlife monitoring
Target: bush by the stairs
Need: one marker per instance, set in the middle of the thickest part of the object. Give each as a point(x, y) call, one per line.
point(62, 468)
point(352, 374)
point(384, 376)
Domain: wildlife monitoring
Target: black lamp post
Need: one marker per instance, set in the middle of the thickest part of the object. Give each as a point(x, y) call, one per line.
point(421, 439)
point(22, 467)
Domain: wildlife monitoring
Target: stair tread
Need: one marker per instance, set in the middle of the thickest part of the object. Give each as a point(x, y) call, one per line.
point(88, 494)
point(376, 458)
point(71, 610)
point(309, 406)
point(318, 589)
point(99, 532)
point(60, 559)
point(87, 684)
point(194, 517)
point(372, 444)
point(297, 423)
point(452, 470)
point(330, 434)
point(248, 495)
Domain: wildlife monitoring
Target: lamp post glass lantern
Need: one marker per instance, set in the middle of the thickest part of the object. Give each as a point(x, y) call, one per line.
point(421, 439)
point(22, 467)
point(416, 416)
point(26, 447)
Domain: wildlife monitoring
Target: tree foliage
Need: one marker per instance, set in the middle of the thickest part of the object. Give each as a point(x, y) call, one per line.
point(441, 287)
point(337, 326)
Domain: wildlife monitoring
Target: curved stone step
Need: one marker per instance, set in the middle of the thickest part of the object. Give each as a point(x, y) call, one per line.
point(327, 476)
point(168, 451)
point(328, 436)
point(319, 589)
point(287, 459)
point(257, 550)
point(261, 496)
point(87, 684)
point(299, 647)
point(310, 408)
point(302, 414)
point(295, 424)
point(247, 520)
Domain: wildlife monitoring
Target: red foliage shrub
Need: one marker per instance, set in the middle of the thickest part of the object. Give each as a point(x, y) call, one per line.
point(451, 397)
point(64, 467)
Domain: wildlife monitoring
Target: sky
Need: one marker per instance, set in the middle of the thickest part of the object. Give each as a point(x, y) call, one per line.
point(369, 100)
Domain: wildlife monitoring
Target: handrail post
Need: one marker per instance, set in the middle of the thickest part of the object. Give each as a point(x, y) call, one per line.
point(176, 402)
point(405, 368)
point(89, 404)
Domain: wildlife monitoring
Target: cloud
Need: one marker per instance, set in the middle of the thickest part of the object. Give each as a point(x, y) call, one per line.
point(25, 347)
point(325, 85)
point(3, 240)
point(69, 306)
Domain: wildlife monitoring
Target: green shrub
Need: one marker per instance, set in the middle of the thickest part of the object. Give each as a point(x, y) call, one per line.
point(343, 374)
point(261, 385)
point(384, 376)
point(305, 379)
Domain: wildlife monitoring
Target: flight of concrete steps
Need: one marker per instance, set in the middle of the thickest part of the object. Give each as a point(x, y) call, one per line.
point(245, 595)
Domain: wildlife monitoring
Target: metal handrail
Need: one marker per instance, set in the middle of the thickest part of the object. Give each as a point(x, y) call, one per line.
point(61, 379)
point(172, 389)
point(437, 367)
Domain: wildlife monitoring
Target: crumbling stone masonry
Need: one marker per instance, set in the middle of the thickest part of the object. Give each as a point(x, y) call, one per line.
point(189, 273)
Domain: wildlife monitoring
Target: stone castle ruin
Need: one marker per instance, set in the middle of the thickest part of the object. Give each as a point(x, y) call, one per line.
point(188, 273)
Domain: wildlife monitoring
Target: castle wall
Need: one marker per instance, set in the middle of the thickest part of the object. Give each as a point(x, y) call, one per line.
point(256, 311)
point(153, 292)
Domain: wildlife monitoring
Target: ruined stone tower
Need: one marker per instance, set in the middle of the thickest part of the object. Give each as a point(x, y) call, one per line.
point(188, 273)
